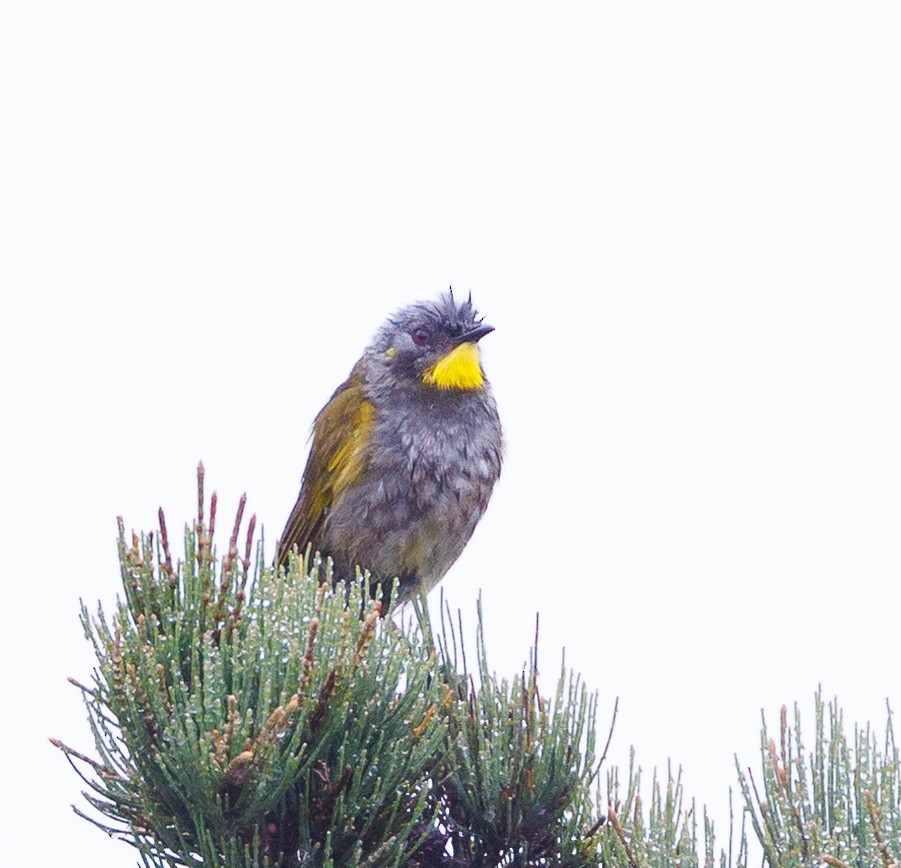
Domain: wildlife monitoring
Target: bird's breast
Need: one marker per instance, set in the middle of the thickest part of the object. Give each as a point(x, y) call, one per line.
point(444, 450)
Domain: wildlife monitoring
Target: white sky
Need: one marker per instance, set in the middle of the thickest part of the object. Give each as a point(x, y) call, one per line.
point(683, 220)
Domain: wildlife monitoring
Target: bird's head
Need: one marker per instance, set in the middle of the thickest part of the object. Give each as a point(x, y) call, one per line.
point(433, 345)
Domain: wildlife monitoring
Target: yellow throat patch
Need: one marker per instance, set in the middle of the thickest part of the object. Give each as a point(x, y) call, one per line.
point(459, 369)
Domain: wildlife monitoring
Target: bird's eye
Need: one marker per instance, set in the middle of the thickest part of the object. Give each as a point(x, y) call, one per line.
point(421, 336)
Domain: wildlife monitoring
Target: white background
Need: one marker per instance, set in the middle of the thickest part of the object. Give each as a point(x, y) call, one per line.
point(683, 220)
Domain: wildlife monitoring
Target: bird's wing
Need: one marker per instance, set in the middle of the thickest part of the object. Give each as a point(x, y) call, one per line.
point(338, 457)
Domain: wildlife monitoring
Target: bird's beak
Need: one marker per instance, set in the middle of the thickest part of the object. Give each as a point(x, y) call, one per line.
point(474, 335)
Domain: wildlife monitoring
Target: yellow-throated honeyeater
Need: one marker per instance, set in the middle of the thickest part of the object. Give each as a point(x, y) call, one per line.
point(405, 453)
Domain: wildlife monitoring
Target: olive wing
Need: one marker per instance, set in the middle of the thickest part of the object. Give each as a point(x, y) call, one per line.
point(339, 456)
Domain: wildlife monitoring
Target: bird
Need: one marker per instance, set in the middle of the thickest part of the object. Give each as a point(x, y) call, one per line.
point(404, 455)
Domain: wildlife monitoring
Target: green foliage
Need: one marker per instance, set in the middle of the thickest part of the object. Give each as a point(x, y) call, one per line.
point(839, 805)
point(518, 787)
point(249, 727)
point(636, 840)
point(249, 717)
point(246, 717)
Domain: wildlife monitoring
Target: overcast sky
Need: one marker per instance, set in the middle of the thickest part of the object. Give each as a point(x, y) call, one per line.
point(683, 220)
